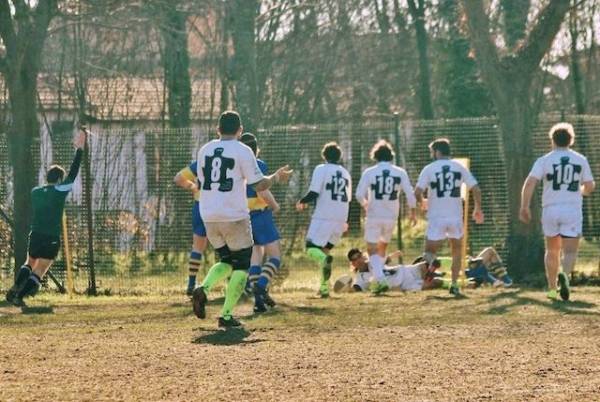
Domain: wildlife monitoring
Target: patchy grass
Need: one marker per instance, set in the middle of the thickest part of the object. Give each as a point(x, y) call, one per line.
point(511, 345)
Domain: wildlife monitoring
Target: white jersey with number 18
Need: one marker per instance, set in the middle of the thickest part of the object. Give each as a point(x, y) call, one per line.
point(224, 169)
point(333, 184)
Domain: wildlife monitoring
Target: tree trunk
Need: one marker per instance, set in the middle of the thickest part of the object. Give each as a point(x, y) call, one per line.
point(242, 22)
point(425, 103)
point(22, 88)
point(524, 242)
point(176, 63)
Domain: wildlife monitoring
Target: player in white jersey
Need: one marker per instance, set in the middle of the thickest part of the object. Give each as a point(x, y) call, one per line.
point(378, 191)
point(225, 167)
point(566, 177)
point(415, 277)
point(331, 188)
point(442, 179)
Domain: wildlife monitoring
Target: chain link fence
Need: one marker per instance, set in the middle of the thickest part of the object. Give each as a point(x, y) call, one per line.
point(141, 222)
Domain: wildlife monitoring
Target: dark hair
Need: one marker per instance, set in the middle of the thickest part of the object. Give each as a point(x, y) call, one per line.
point(229, 122)
point(382, 151)
point(55, 174)
point(562, 135)
point(250, 140)
point(331, 152)
point(442, 145)
point(353, 253)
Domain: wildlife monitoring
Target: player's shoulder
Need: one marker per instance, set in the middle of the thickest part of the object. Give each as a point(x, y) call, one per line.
point(209, 145)
point(343, 169)
point(430, 166)
point(578, 155)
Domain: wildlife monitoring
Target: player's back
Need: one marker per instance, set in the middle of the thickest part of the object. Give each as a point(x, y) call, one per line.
point(48, 204)
point(382, 185)
point(225, 167)
point(562, 172)
point(334, 185)
point(443, 179)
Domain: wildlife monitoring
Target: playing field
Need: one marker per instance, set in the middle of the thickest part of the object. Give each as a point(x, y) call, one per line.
point(489, 346)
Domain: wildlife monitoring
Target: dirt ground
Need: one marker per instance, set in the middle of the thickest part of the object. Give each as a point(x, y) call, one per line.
point(489, 346)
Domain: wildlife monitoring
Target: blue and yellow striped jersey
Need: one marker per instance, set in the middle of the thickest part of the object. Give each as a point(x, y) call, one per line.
point(190, 173)
point(255, 203)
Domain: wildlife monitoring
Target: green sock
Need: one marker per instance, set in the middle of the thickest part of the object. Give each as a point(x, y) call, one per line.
point(316, 254)
point(325, 273)
point(217, 272)
point(235, 288)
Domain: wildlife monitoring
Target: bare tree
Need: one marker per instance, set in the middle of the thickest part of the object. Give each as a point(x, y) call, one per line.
point(23, 33)
point(509, 76)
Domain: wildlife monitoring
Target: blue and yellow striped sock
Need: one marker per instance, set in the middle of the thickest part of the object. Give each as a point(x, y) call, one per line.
point(253, 274)
point(193, 267)
point(269, 270)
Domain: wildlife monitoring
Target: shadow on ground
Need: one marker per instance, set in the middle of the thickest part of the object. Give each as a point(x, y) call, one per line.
point(516, 299)
point(227, 337)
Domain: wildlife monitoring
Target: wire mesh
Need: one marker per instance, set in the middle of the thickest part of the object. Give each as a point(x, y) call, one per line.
point(142, 221)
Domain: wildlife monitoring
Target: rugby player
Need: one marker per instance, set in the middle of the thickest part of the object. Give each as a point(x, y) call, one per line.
point(187, 179)
point(378, 191)
point(331, 190)
point(48, 204)
point(442, 179)
point(266, 253)
point(566, 177)
point(225, 167)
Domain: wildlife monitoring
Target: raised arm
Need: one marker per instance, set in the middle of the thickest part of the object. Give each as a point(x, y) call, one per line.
point(78, 143)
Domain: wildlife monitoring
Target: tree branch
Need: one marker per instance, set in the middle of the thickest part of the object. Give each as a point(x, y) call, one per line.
point(542, 35)
point(7, 30)
point(481, 40)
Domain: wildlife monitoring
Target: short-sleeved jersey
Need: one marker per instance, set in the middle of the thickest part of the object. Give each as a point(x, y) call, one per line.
point(562, 172)
point(225, 167)
point(191, 173)
point(443, 179)
point(380, 186)
point(334, 185)
point(48, 202)
point(255, 203)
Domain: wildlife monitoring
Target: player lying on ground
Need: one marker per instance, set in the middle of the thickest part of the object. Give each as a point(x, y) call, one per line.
point(442, 180)
point(331, 189)
point(415, 277)
point(266, 253)
point(48, 204)
point(225, 167)
point(187, 179)
point(487, 268)
point(566, 177)
point(378, 191)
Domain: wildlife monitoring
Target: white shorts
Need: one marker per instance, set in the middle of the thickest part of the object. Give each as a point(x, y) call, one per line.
point(235, 235)
point(444, 228)
point(407, 278)
point(322, 231)
point(379, 230)
point(562, 220)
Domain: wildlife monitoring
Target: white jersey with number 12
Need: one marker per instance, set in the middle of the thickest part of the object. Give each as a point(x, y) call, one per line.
point(333, 184)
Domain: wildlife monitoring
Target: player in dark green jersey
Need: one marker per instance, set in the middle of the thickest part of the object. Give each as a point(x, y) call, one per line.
point(48, 204)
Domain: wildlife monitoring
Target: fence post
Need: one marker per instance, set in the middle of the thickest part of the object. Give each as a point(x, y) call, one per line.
point(90, 216)
point(398, 162)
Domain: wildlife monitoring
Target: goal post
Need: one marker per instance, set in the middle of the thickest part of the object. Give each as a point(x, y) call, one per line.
point(464, 194)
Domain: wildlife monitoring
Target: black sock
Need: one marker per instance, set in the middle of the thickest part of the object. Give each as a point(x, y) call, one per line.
point(23, 274)
point(32, 285)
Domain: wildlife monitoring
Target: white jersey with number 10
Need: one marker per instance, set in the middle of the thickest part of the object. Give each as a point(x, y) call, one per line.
point(333, 184)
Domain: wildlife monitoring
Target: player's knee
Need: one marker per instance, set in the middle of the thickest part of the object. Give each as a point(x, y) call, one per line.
point(224, 255)
point(240, 259)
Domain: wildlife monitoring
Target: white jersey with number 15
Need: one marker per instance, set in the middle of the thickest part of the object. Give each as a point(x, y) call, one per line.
point(333, 184)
